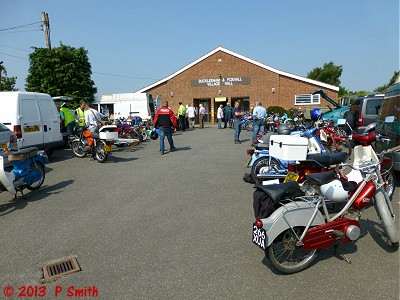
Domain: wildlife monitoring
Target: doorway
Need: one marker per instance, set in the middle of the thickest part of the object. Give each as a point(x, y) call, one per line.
point(206, 102)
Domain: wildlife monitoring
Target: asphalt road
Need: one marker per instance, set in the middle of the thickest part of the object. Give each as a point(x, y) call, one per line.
point(177, 226)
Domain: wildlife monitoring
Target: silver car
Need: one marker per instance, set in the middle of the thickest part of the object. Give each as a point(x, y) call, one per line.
point(8, 140)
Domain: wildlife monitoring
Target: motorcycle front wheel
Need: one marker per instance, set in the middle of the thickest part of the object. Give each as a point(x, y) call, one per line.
point(37, 184)
point(288, 257)
point(387, 220)
point(389, 179)
point(263, 162)
point(101, 154)
point(79, 149)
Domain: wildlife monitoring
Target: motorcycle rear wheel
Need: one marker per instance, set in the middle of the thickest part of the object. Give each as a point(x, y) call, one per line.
point(37, 184)
point(101, 154)
point(286, 256)
point(262, 162)
point(387, 220)
point(78, 149)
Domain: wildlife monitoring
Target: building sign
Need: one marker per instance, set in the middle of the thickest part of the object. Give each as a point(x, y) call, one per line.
point(227, 81)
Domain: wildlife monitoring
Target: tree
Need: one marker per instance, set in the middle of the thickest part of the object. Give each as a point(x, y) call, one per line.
point(6, 83)
point(329, 73)
point(382, 89)
point(62, 71)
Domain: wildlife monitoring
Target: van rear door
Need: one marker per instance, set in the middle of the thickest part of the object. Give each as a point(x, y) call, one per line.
point(31, 125)
point(50, 120)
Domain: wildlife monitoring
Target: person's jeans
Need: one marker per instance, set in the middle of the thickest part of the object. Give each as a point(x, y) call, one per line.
point(166, 132)
point(237, 125)
point(258, 126)
point(219, 123)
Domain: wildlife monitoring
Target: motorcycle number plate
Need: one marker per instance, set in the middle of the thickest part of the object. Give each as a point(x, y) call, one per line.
point(107, 148)
point(290, 176)
point(4, 146)
point(259, 235)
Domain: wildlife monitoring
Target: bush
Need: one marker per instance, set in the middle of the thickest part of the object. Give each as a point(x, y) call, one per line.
point(276, 109)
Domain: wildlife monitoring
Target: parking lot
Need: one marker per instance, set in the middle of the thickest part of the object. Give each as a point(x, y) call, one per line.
point(177, 226)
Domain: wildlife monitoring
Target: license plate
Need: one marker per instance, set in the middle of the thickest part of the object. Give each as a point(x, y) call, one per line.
point(31, 128)
point(107, 148)
point(3, 146)
point(259, 235)
point(290, 176)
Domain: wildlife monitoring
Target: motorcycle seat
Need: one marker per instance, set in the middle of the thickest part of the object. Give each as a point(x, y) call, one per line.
point(290, 189)
point(95, 135)
point(328, 159)
point(23, 154)
point(261, 146)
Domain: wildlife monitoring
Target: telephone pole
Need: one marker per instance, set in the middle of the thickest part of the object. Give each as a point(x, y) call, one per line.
point(46, 29)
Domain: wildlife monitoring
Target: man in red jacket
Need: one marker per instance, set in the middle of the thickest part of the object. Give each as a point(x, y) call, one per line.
point(165, 120)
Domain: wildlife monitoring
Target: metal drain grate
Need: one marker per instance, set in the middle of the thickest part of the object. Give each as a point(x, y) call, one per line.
point(60, 267)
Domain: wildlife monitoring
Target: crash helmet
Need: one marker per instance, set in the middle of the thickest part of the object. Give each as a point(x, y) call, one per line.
point(154, 135)
point(283, 129)
point(334, 191)
point(316, 114)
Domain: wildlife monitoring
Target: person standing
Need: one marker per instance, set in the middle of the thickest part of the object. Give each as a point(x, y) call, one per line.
point(182, 116)
point(166, 121)
point(227, 113)
point(92, 118)
point(237, 115)
point(67, 119)
point(259, 114)
point(202, 115)
point(80, 113)
point(220, 116)
point(191, 114)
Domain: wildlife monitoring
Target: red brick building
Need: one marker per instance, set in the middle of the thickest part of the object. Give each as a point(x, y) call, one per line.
point(223, 75)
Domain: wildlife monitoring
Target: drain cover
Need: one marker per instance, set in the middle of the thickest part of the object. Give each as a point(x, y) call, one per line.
point(60, 267)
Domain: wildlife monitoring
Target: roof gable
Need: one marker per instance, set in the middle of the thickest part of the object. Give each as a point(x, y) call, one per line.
point(321, 84)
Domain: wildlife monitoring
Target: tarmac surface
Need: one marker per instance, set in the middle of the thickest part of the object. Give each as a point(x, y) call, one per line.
point(177, 226)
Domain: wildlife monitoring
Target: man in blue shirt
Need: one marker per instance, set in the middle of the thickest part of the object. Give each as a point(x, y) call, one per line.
point(259, 114)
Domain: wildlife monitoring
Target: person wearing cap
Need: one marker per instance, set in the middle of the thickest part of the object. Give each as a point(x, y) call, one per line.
point(182, 116)
point(80, 113)
point(67, 119)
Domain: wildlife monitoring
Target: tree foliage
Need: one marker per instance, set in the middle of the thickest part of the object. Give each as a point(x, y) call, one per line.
point(62, 71)
point(329, 73)
point(6, 83)
point(382, 89)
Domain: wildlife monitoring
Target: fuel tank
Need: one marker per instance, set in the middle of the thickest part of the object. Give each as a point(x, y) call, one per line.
point(365, 196)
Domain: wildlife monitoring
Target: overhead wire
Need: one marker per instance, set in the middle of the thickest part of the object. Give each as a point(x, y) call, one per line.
point(20, 26)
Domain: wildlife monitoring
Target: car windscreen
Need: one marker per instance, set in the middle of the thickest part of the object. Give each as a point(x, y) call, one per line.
point(3, 128)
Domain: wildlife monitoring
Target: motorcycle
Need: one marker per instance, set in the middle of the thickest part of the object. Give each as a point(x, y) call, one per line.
point(28, 171)
point(292, 231)
point(99, 145)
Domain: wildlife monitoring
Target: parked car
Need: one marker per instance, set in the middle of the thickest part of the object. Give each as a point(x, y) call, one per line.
point(391, 107)
point(335, 113)
point(8, 140)
point(369, 108)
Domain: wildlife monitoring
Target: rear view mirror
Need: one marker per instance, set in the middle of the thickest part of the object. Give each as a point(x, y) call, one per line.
point(389, 119)
point(341, 121)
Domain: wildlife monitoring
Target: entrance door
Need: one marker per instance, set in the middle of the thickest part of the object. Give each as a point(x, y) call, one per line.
point(206, 104)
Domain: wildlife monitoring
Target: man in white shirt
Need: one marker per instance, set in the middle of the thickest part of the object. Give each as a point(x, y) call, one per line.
point(191, 114)
point(92, 118)
point(220, 116)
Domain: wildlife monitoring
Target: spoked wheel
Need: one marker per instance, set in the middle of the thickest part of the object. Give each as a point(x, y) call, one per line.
point(79, 149)
point(389, 179)
point(144, 134)
point(261, 166)
point(288, 257)
point(37, 167)
point(387, 220)
point(101, 154)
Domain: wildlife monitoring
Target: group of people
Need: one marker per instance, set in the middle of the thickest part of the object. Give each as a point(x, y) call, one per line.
point(84, 115)
point(188, 114)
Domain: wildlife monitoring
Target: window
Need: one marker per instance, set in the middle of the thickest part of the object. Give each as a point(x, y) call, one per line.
point(307, 99)
point(373, 106)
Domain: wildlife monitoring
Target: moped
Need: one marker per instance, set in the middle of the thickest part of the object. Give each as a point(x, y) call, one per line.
point(28, 171)
point(294, 228)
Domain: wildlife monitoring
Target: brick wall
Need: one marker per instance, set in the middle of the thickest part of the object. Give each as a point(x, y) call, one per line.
point(262, 83)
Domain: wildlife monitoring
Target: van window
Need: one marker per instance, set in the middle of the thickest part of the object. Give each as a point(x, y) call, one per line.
point(373, 106)
point(390, 107)
point(29, 110)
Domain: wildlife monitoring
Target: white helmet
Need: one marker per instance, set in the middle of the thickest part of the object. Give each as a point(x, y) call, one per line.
point(334, 191)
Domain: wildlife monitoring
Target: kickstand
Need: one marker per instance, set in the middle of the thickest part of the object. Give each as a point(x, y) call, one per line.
point(339, 254)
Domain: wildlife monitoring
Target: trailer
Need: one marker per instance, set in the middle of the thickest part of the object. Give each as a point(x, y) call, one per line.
point(116, 106)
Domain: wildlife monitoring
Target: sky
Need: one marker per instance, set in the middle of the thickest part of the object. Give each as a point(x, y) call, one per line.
point(132, 44)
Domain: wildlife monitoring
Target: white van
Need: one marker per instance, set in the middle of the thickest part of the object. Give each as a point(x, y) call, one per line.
point(33, 117)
